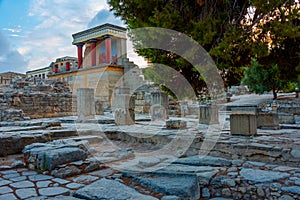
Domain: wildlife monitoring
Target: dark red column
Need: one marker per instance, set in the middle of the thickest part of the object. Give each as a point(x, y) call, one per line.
point(93, 43)
point(68, 66)
point(108, 49)
point(79, 54)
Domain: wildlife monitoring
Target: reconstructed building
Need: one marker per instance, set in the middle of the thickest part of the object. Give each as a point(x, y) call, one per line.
point(64, 64)
point(7, 77)
point(41, 73)
point(102, 61)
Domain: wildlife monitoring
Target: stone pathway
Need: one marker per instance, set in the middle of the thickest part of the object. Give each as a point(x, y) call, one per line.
point(188, 178)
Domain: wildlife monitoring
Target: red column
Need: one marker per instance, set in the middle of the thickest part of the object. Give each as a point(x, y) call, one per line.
point(79, 54)
point(108, 49)
point(68, 66)
point(93, 43)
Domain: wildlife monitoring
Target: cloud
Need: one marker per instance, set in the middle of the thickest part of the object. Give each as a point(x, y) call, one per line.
point(105, 16)
point(13, 30)
point(10, 58)
point(49, 36)
point(56, 21)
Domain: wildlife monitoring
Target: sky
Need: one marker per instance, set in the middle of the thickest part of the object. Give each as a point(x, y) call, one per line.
point(33, 33)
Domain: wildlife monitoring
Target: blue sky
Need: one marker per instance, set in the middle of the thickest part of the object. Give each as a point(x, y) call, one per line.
point(33, 33)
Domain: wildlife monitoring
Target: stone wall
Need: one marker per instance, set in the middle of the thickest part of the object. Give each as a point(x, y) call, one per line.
point(291, 107)
point(36, 98)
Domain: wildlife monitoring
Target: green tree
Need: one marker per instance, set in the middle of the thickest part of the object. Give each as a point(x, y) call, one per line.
point(261, 79)
point(232, 31)
point(276, 39)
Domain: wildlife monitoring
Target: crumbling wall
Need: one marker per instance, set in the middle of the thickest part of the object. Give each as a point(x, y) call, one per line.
point(35, 98)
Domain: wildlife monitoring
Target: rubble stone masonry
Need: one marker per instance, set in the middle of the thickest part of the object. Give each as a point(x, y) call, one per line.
point(35, 98)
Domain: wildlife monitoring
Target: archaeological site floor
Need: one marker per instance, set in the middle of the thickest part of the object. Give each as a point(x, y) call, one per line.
point(147, 160)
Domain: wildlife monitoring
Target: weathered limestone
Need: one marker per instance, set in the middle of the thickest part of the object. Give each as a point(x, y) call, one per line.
point(123, 107)
point(184, 186)
point(110, 189)
point(99, 108)
point(176, 124)
point(208, 114)
point(11, 115)
point(85, 104)
point(36, 98)
point(47, 156)
point(268, 120)
point(261, 176)
point(159, 106)
point(243, 121)
point(142, 102)
point(14, 141)
point(286, 118)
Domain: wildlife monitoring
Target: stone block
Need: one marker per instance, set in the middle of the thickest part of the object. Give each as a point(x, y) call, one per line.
point(158, 112)
point(110, 189)
point(123, 109)
point(243, 121)
point(139, 96)
point(268, 121)
point(85, 103)
point(286, 118)
point(99, 108)
point(121, 90)
point(176, 124)
point(208, 114)
point(159, 98)
point(50, 155)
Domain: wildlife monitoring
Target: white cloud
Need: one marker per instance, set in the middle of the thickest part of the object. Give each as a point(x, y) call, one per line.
point(57, 21)
point(13, 30)
point(10, 58)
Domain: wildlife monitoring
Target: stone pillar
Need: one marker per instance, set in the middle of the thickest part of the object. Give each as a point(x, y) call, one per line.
point(85, 103)
point(159, 106)
point(79, 54)
point(123, 107)
point(93, 43)
point(208, 114)
point(243, 121)
point(108, 48)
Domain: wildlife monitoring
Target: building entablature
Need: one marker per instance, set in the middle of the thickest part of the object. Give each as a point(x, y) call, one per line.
point(101, 31)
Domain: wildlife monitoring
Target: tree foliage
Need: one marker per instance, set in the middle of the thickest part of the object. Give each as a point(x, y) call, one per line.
point(232, 31)
point(261, 79)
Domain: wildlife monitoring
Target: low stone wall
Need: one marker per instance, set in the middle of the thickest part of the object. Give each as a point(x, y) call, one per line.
point(238, 147)
point(45, 105)
point(36, 99)
point(282, 106)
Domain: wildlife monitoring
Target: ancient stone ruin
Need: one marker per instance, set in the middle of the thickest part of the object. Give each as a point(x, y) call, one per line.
point(147, 146)
point(35, 98)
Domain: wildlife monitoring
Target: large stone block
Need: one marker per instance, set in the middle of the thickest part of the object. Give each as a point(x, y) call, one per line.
point(285, 118)
point(50, 155)
point(208, 114)
point(159, 106)
point(268, 120)
point(85, 103)
point(158, 112)
point(243, 121)
point(123, 109)
point(110, 189)
point(176, 124)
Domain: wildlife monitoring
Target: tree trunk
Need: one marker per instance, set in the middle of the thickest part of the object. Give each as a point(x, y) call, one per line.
point(274, 94)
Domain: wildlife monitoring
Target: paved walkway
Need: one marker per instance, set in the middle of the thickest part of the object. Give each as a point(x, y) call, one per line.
point(21, 183)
